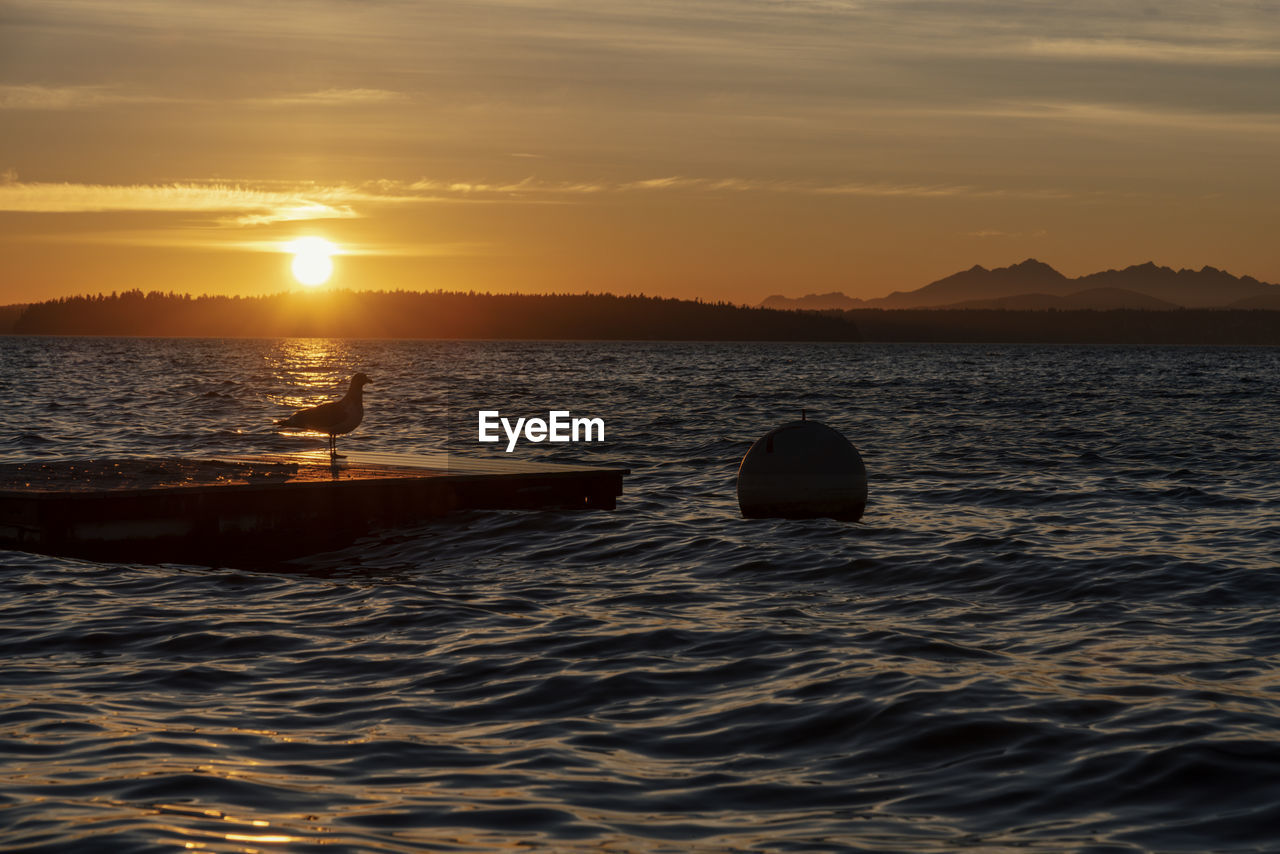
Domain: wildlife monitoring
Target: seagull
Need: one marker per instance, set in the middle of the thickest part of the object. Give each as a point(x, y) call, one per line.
point(335, 417)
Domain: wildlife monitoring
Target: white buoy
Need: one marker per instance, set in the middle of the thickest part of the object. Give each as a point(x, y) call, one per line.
point(802, 470)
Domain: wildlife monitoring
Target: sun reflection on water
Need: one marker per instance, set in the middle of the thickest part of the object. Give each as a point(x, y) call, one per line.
point(250, 831)
point(305, 369)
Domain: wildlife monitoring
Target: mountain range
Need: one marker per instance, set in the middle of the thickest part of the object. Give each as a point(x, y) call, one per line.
point(1034, 285)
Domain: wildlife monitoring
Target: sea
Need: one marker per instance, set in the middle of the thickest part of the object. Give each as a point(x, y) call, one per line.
point(1056, 628)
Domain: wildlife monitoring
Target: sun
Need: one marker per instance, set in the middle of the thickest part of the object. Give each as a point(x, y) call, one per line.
point(312, 260)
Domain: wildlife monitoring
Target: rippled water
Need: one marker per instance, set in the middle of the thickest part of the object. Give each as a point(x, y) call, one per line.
point(1054, 629)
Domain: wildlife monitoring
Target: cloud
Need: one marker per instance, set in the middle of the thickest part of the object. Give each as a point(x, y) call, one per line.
point(1136, 50)
point(526, 187)
point(332, 98)
point(532, 188)
point(1136, 115)
point(36, 97)
point(200, 239)
point(50, 98)
point(262, 203)
point(917, 190)
point(852, 188)
point(247, 206)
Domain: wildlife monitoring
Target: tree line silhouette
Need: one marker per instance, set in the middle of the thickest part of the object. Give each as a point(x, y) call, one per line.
point(434, 314)
point(464, 315)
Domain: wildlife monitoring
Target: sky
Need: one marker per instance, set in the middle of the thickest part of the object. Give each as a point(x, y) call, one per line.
point(724, 150)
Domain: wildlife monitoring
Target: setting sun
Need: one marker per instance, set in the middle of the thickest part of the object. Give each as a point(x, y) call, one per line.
point(312, 260)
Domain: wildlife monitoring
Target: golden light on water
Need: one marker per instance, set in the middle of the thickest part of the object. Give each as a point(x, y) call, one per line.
point(249, 837)
point(312, 260)
point(311, 368)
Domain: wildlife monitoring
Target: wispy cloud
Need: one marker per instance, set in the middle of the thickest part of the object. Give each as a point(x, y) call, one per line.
point(200, 239)
point(331, 98)
point(531, 188)
point(845, 188)
point(1138, 50)
point(36, 97)
point(91, 97)
point(263, 203)
point(1137, 115)
point(526, 187)
point(245, 206)
point(923, 191)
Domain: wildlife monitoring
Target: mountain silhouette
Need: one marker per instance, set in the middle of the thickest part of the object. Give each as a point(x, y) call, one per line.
point(979, 283)
point(814, 302)
point(1034, 285)
point(1207, 287)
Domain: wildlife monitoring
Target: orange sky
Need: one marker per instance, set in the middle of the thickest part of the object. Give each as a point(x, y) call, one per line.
point(723, 150)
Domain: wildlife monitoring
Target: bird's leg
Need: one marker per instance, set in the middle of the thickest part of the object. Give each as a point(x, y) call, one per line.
point(333, 449)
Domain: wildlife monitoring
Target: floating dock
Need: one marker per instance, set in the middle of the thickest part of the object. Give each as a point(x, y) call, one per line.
point(245, 509)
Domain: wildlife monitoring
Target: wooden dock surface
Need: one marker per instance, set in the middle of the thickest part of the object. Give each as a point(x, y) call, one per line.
point(227, 509)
